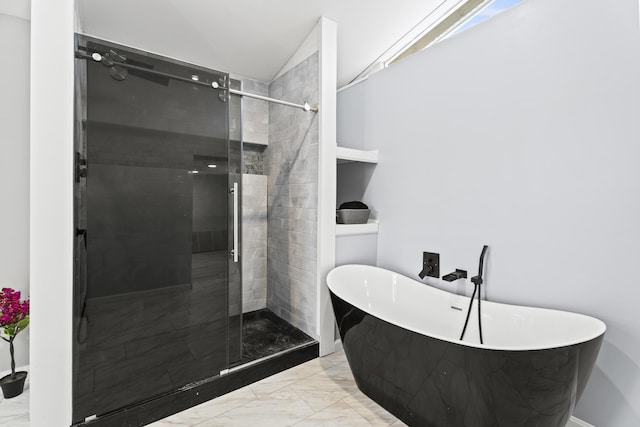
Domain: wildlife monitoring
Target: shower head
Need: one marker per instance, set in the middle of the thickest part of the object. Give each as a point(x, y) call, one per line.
point(120, 67)
point(109, 60)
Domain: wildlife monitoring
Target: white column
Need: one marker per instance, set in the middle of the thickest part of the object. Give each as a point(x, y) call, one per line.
point(51, 217)
point(328, 35)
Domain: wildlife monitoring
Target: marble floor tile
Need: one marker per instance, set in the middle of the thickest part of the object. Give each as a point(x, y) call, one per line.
point(170, 422)
point(341, 376)
point(21, 421)
point(289, 377)
point(322, 390)
point(375, 414)
point(336, 415)
point(14, 412)
point(208, 410)
point(335, 358)
point(14, 407)
point(262, 412)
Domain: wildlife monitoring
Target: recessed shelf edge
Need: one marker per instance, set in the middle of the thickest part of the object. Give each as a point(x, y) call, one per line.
point(370, 227)
point(344, 155)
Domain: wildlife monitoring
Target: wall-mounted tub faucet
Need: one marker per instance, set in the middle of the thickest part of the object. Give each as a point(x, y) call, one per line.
point(458, 274)
point(430, 265)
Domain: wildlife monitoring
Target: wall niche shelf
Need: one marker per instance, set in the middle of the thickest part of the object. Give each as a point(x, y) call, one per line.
point(346, 155)
point(370, 227)
point(352, 155)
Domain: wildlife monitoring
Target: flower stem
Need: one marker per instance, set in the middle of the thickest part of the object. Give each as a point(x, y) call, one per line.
point(13, 360)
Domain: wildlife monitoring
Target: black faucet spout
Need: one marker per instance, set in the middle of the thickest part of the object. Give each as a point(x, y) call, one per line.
point(458, 274)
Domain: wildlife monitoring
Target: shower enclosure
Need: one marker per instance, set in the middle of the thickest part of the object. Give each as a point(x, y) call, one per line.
point(157, 205)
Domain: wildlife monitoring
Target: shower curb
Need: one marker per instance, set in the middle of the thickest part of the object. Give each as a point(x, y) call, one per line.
point(192, 395)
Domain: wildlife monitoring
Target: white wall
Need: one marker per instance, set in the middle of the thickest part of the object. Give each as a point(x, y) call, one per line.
point(523, 134)
point(14, 170)
point(51, 219)
point(359, 249)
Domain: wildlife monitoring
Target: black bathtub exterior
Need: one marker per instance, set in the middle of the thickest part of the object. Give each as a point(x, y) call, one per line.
point(427, 382)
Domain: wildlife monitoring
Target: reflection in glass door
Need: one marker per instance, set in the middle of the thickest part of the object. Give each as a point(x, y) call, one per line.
point(152, 261)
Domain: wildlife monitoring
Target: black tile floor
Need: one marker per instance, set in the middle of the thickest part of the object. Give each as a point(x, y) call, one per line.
point(264, 334)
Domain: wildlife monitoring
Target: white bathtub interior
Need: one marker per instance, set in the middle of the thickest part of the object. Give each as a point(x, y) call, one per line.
point(434, 312)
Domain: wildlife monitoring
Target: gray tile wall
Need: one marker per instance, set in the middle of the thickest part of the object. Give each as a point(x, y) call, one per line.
point(291, 163)
point(253, 159)
point(255, 126)
point(255, 113)
point(254, 242)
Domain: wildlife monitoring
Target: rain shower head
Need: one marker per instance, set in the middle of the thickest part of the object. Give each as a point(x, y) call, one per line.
point(109, 60)
point(119, 67)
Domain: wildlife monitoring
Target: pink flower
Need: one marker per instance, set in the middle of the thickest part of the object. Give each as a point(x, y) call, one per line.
point(14, 314)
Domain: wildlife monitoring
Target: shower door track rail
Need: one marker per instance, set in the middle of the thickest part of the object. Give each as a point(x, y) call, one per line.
point(97, 57)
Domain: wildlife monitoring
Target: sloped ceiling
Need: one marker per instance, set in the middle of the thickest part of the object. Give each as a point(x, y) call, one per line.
point(253, 38)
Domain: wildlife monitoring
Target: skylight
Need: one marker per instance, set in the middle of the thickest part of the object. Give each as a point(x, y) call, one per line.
point(468, 14)
point(448, 19)
point(489, 10)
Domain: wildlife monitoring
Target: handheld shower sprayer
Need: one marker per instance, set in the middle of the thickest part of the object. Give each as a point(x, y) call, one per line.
point(477, 281)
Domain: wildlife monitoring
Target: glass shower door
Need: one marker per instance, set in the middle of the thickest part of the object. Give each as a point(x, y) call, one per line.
point(152, 263)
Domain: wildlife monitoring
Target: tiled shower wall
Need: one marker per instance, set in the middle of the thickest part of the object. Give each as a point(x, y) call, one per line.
point(291, 163)
point(255, 113)
point(255, 134)
point(254, 242)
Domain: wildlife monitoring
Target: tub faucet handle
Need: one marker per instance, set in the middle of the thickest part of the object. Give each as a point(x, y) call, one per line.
point(425, 271)
point(430, 265)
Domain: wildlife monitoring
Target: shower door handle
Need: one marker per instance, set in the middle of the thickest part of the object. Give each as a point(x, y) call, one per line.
point(234, 251)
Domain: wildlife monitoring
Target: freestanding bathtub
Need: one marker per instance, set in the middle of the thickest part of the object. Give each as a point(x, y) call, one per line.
point(400, 337)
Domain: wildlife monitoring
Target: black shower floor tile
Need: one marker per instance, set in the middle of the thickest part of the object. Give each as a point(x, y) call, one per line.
point(264, 334)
